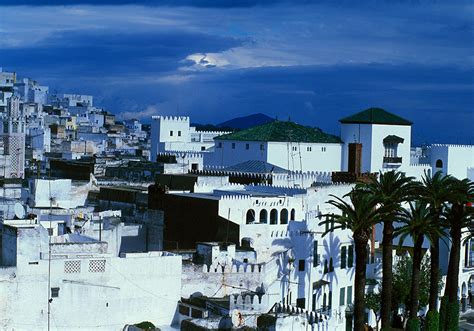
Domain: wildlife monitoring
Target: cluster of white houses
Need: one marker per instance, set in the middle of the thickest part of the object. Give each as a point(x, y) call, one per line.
point(240, 211)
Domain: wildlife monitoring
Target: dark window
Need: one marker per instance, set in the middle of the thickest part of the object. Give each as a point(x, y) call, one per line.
point(54, 292)
point(284, 216)
point(331, 265)
point(262, 147)
point(194, 166)
point(250, 216)
point(263, 216)
point(171, 133)
point(301, 264)
point(196, 313)
point(300, 303)
point(273, 216)
point(324, 301)
point(184, 310)
point(343, 257)
point(247, 146)
point(292, 215)
point(325, 266)
point(203, 148)
point(342, 296)
point(439, 163)
point(219, 145)
point(233, 145)
point(314, 302)
point(315, 253)
point(349, 295)
point(350, 256)
point(179, 133)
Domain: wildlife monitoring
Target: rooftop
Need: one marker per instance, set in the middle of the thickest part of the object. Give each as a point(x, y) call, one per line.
point(375, 116)
point(280, 131)
point(256, 167)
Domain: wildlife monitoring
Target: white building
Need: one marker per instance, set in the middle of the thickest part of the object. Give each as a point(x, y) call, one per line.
point(74, 282)
point(285, 144)
point(175, 134)
point(13, 136)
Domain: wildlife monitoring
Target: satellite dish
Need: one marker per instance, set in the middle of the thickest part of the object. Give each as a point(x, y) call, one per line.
point(20, 212)
point(237, 318)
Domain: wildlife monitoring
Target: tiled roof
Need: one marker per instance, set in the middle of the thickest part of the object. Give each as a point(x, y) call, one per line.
point(283, 132)
point(375, 116)
point(256, 167)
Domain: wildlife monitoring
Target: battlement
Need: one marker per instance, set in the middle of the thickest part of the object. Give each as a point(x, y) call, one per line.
point(171, 118)
point(311, 316)
point(453, 146)
point(234, 269)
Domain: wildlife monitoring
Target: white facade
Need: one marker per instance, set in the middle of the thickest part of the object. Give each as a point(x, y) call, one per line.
point(174, 134)
point(90, 287)
point(371, 136)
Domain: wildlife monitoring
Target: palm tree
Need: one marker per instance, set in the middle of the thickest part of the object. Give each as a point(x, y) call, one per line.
point(359, 216)
point(391, 189)
point(416, 223)
point(458, 217)
point(435, 191)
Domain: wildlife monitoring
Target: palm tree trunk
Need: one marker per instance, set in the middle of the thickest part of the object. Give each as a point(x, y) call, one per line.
point(415, 278)
point(434, 275)
point(387, 274)
point(452, 279)
point(359, 282)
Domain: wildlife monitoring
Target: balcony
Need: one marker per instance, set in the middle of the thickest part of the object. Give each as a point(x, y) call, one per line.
point(392, 160)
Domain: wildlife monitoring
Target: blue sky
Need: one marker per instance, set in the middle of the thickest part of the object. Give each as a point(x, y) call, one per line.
point(313, 61)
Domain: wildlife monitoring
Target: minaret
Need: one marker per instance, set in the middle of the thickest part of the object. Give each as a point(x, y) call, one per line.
point(13, 137)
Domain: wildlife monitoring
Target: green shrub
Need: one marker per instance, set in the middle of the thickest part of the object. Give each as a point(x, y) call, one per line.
point(145, 325)
point(432, 321)
point(413, 324)
point(452, 316)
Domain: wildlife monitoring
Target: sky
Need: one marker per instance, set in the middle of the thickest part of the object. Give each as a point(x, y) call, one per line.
point(313, 62)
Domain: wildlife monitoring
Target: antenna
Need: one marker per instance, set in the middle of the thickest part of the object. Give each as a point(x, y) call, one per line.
point(50, 230)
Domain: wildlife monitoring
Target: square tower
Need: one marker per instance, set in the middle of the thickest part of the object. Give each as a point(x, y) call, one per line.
point(13, 138)
point(384, 139)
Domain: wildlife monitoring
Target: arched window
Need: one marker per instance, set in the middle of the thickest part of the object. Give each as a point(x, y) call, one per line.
point(284, 216)
point(331, 265)
point(439, 163)
point(343, 257)
point(250, 216)
point(263, 216)
point(324, 301)
point(292, 215)
point(273, 216)
point(330, 300)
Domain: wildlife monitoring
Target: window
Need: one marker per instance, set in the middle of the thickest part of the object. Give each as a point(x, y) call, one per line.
point(194, 166)
point(294, 148)
point(331, 265)
point(323, 149)
point(349, 295)
point(342, 296)
point(325, 266)
point(300, 303)
point(308, 149)
point(273, 216)
point(219, 145)
point(315, 254)
point(50, 231)
point(203, 148)
point(54, 292)
point(263, 216)
point(179, 133)
point(324, 301)
point(247, 146)
point(439, 163)
point(292, 215)
point(313, 307)
point(72, 267)
point(350, 256)
point(97, 266)
point(233, 145)
point(343, 257)
point(301, 264)
point(250, 216)
point(171, 133)
point(284, 216)
point(262, 147)
point(5, 127)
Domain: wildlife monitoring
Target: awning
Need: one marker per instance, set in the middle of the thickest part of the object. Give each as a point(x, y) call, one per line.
point(320, 283)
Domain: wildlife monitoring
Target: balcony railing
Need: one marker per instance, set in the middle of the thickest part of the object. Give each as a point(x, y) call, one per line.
point(391, 159)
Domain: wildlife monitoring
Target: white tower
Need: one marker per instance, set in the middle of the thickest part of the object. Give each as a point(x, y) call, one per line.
point(13, 137)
